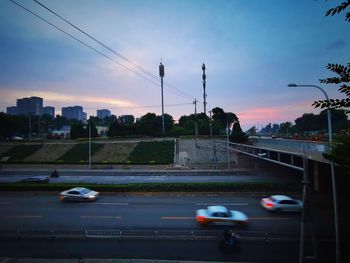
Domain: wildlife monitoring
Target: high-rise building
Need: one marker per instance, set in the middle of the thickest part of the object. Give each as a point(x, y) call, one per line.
point(11, 110)
point(30, 106)
point(101, 114)
point(84, 117)
point(73, 112)
point(48, 110)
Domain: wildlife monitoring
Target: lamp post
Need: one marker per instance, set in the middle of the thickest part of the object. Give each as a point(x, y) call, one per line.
point(330, 137)
point(89, 146)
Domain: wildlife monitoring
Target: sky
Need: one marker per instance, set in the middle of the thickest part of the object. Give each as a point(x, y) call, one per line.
point(251, 49)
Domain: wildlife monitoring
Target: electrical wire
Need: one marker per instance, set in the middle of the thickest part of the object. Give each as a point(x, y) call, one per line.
point(150, 74)
point(138, 107)
point(92, 48)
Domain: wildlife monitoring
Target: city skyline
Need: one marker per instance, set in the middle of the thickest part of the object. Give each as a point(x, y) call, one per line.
point(251, 52)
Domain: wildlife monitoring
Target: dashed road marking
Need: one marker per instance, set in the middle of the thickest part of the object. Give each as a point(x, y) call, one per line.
point(22, 216)
point(102, 217)
point(108, 203)
point(269, 218)
point(177, 218)
point(227, 204)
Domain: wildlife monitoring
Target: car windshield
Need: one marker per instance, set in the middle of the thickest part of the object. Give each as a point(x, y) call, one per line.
point(85, 191)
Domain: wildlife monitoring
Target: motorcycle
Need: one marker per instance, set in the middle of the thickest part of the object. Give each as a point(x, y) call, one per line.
point(230, 241)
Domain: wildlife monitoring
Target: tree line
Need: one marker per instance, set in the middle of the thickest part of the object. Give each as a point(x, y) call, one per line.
point(308, 122)
point(149, 124)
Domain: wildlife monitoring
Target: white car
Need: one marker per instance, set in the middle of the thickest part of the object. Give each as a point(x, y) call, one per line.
point(79, 194)
point(281, 203)
point(220, 215)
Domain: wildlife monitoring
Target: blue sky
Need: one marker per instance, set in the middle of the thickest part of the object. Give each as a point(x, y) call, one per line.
point(252, 50)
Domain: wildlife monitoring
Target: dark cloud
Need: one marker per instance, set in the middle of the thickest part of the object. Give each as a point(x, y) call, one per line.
point(338, 44)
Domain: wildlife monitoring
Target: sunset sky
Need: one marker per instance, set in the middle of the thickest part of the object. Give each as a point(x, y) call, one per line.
point(252, 50)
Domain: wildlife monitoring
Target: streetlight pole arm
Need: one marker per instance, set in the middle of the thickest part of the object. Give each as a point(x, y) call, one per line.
point(317, 87)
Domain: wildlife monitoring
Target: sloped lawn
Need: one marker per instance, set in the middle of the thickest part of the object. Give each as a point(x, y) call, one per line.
point(79, 154)
point(153, 153)
point(19, 152)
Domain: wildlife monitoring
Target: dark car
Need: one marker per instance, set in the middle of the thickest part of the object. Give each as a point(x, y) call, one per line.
point(36, 179)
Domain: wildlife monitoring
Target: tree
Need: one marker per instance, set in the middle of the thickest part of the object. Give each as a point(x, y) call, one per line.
point(76, 131)
point(342, 71)
point(285, 128)
point(252, 131)
point(343, 77)
point(237, 135)
point(340, 153)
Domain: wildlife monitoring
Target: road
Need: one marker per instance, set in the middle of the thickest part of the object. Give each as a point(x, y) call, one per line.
point(107, 177)
point(140, 226)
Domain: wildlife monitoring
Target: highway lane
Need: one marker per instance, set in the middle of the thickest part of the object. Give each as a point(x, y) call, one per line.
point(144, 226)
point(43, 211)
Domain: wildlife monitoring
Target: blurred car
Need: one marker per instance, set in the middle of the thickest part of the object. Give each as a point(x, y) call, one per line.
point(79, 194)
point(281, 203)
point(36, 179)
point(220, 215)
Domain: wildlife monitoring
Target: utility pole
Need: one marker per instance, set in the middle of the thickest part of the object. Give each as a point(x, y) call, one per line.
point(161, 74)
point(204, 94)
point(90, 145)
point(196, 121)
point(210, 124)
point(228, 146)
point(30, 127)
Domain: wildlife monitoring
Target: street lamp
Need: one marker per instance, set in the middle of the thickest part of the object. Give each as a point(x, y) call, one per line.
point(330, 136)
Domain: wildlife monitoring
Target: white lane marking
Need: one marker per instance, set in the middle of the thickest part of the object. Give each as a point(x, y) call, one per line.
point(269, 218)
point(22, 216)
point(209, 204)
point(102, 217)
point(108, 203)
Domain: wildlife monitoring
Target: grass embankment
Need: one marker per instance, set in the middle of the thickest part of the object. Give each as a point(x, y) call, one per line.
point(19, 152)
point(152, 153)
point(158, 187)
point(79, 154)
point(161, 152)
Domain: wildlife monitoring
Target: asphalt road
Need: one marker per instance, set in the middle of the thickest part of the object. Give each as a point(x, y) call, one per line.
point(107, 177)
point(44, 212)
point(141, 226)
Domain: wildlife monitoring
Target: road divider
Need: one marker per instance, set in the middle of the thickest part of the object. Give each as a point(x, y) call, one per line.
point(159, 187)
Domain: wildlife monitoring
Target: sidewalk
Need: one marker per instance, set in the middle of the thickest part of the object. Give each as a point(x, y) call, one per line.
point(88, 260)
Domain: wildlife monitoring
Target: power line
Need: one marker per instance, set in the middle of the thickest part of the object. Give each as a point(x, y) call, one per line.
point(92, 48)
point(138, 107)
point(152, 75)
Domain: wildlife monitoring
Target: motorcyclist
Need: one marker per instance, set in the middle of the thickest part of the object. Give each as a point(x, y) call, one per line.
point(231, 239)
